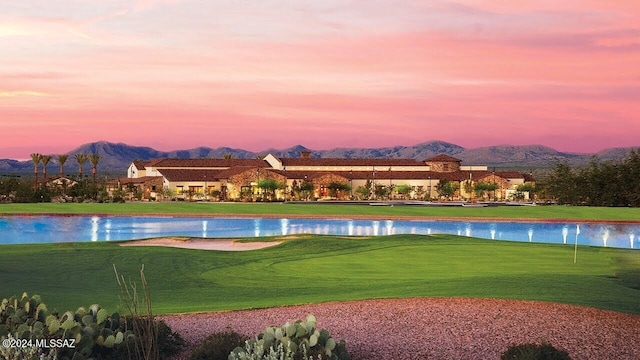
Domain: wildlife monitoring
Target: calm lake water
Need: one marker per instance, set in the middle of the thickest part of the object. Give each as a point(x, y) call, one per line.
point(53, 229)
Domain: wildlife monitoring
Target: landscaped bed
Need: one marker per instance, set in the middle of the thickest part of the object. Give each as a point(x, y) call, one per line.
point(439, 328)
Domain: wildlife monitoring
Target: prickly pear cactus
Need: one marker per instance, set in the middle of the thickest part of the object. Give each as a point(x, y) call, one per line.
point(27, 317)
point(300, 340)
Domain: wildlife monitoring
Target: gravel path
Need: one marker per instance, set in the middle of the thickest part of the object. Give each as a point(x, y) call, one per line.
point(439, 328)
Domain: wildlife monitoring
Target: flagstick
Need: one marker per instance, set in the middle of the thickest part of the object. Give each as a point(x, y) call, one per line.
point(575, 251)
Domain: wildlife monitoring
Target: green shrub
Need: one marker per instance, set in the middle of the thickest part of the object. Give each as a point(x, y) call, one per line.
point(32, 352)
point(95, 333)
point(169, 343)
point(27, 318)
point(298, 341)
point(531, 351)
point(217, 346)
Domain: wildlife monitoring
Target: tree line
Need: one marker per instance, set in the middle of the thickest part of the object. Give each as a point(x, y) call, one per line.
point(601, 183)
point(80, 158)
point(15, 189)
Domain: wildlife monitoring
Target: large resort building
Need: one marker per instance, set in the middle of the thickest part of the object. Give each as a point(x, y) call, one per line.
point(305, 178)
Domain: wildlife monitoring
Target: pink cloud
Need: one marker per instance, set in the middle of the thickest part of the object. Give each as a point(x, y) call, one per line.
point(474, 72)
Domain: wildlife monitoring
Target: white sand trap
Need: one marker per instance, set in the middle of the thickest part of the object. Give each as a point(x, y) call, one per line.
point(202, 244)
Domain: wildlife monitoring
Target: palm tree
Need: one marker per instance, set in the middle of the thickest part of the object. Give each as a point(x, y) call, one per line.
point(94, 159)
point(45, 161)
point(81, 159)
point(227, 156)
point(62, 158)
point(36, 158)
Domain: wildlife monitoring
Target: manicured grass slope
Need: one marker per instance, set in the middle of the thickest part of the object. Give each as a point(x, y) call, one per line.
point(325, 268)
point(533, 212)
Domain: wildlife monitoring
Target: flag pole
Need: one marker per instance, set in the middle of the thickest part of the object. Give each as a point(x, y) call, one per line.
point(575, 250)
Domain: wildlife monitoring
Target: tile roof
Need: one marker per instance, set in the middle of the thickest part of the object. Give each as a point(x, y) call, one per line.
point(442, 158)
point(354, 175)
point(208, 174)
point(191, 174)
point(139, 164)
point(477, 175)
point(142, 164)
point(211, 163)
point(349, 162)
point(510, 174)
point(399, 175)
point(227, 173)
point(196, 169)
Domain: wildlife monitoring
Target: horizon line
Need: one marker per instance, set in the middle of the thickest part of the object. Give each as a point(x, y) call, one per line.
point(269, 150)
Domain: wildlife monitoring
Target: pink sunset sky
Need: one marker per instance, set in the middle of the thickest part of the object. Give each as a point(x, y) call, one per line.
point(265, 74)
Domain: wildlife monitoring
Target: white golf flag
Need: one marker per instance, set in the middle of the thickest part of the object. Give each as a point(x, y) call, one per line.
point(575, 249)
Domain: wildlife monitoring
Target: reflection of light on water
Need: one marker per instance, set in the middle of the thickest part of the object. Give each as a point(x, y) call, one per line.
point(204, 228)
point(107, 229)
point(94, 228)
point(256, 227)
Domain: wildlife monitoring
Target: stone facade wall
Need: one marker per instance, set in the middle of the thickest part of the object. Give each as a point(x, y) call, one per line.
point(149, 186)
point(444, 167)
point(322, 183)
point(327, 179)
point(237, 182)
point(245, 178)
point(502, 183)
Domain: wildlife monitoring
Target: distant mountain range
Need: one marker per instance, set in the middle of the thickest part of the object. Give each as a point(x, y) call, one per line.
point(116, 157)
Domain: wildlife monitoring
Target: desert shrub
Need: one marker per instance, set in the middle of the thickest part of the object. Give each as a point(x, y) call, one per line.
point(80, 333)
point(292, 341)
point(256, 351)
point(169, 343)
point(531, 351)
point(32, 352)
point(217, 346)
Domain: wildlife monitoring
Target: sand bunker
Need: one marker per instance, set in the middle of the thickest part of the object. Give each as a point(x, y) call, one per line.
point(202, 244)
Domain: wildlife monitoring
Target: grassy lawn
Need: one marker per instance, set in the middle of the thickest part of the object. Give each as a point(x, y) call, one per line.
point(325, 268)
point(509, 212)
